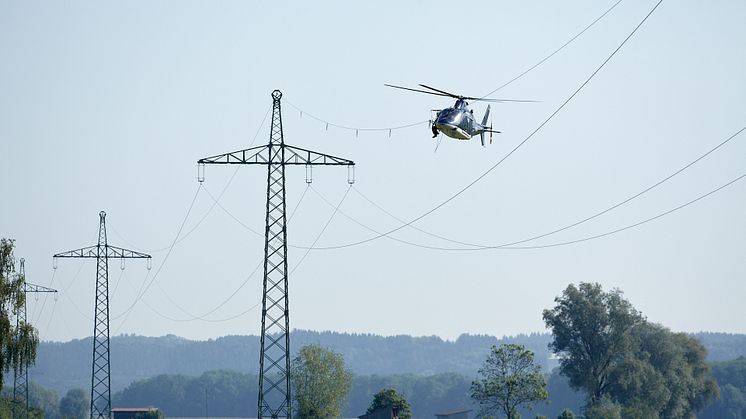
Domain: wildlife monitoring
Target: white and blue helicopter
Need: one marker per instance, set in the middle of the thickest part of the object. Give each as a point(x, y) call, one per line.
point(458, 121)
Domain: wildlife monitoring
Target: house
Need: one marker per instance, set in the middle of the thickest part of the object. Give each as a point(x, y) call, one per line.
point(454, 414)
point(387, 412)
point(133, 412)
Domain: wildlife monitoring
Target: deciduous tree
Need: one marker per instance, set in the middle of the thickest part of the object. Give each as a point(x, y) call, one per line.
point(75, 404)
point(18, 343)
point(592, 332)
point(509, 379)
point(389, 397)
point(321, 383)
point(628, 367)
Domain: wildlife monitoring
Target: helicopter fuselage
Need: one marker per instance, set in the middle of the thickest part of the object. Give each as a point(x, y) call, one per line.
point(458, 122)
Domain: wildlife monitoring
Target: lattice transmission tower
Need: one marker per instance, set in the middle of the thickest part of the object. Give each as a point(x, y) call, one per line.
point(274, 359)
point(20, 374)
point(101, 369)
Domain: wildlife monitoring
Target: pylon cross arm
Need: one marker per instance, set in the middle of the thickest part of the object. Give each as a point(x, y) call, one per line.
point(261, 155)
point(109, 252)
point(118, 252)
point(86, 252)
point(297, 155)
point(254, 155)
point(36, 288)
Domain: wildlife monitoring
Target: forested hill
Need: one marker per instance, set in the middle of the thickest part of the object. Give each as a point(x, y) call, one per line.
point(62, 366)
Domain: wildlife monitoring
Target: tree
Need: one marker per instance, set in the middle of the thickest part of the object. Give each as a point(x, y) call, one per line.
point(508, 380)
point(388, 397)
point(75, 404)
point(731, 377)
point(607, 409)
point(566, 414)
point(44, 399)
point(153, 414)
point(321, 383)
point(592, 332)
point(628, 367)
point(667, 375)
point(17, 344)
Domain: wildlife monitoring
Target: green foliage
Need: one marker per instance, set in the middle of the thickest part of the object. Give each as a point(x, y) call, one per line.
point(627, 366)
point(389, 397)
point(75, 404)
point(604, 409)
point(44, 399)
point(6, 410)
point(592, 332)
point(667, 375)
point(62, 366)
point(18, 343)
point(321, 383)
point(731, 377)
point(214, 394)
point(155, 414)
point(566, 414)
point(509, 379)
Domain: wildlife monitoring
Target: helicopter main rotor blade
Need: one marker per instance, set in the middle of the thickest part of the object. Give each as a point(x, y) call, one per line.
point(415, 90)
point(475, 98)
point(443, 92)
point(501, 100)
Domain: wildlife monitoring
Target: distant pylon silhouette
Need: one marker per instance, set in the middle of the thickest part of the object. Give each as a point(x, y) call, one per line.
point(101, 369)
point(20, 375)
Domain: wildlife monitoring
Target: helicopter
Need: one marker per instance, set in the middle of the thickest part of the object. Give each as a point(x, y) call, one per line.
point(458, 121)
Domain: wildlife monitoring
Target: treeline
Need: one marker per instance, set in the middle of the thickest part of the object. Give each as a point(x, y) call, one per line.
point(62, 366)
point(232, 394)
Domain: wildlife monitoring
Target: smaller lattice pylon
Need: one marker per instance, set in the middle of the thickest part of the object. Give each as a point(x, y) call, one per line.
point(20, 374)
point(101, 370)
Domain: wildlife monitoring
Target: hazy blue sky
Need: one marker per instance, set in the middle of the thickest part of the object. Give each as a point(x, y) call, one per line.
point(108, 105)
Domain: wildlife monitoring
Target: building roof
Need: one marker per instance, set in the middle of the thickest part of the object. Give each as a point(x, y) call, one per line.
point(134, 409)
point(453, 412)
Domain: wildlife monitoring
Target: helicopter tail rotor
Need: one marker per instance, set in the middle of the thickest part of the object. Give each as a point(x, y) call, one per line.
point(484, 125)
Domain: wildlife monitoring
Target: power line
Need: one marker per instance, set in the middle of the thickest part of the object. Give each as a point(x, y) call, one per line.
point(575, 224)
point(555, 51)
point(318, 236)
point(165, 259)
point(493, 167)
point(512, 246)
point(394, 128)
point(356, 129)
point(253, 272)
point(202, 317)
point(637, 224)
point(188, 233)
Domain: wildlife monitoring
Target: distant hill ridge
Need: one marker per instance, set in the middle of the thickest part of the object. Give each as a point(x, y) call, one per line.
point(65, 365)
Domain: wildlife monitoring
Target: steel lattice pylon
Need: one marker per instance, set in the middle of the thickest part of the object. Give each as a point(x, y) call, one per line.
point(274, 360)
point(101, 370)
point(20, 374)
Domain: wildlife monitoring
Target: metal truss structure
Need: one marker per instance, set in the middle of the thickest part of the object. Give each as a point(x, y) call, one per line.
point(20, 374)
point(274, 359)
point(101, 369)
